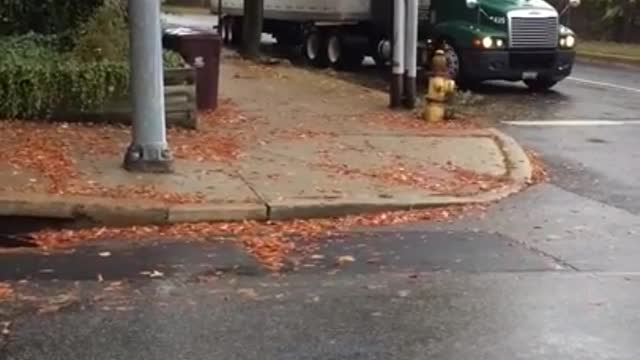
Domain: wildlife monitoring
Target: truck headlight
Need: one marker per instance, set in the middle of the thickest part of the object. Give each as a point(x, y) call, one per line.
point(571, 41)
point(568, 41)
point(487, 42)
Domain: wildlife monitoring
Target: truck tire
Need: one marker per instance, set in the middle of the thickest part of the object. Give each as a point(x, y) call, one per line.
point(342, 57)
point(314, 48)
point(225, 30)
point(381, 52)
point(456, 67)
point(540, 84)
point(235, 30)
point(453, 61)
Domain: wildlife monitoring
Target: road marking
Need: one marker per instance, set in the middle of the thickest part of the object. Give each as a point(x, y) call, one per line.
point(605, 84)
point(572, 122)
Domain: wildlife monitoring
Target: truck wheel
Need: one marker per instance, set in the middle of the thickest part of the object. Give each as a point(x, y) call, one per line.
point(342, 57)
point(453, 61)
point(381, 51)
point(315, 49)
point(455, 67)
point(235, 31)
point(225, 30)
point(540, 84)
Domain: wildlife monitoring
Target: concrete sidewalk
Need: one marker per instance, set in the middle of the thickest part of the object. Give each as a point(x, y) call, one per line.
point(287, 143)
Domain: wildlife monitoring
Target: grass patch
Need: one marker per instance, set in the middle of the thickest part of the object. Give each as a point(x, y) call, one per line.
point(609, 49)
point(185, 10)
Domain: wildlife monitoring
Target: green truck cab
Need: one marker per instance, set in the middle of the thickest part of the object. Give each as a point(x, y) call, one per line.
point(514, 40)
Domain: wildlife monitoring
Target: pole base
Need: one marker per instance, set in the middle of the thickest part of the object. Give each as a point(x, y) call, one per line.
point(410, 92)
point(396, 90)
point(148, 159)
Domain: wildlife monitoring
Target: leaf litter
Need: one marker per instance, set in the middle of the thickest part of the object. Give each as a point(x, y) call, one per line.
point(271, 242)
point(49, 150)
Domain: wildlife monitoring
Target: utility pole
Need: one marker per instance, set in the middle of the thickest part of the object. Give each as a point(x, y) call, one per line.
point(219, 17)
point(149, 151)
point(252, 28)
point(399, 17)
point(411, 54)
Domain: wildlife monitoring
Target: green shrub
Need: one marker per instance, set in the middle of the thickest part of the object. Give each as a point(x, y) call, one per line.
point(105, 36)
point(44, 16)
point(34, 89)
point(37, 81)
point(40, 75)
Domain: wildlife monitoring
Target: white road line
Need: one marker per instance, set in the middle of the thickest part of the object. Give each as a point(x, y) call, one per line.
point(572, 122)
point(604, 84)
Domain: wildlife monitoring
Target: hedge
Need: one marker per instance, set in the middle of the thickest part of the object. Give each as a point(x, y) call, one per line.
point(36, 80)
point(41, 75)
point(44, 16)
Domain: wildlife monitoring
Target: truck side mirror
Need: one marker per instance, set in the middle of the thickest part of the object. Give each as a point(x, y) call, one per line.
point(574, 3)
point(472, 4)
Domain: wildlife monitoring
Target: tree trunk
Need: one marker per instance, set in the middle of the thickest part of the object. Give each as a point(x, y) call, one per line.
point(252, 28)
point(629, 16)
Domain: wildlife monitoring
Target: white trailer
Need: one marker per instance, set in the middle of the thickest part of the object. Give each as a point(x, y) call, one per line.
point(304, 10)
point(338, 33)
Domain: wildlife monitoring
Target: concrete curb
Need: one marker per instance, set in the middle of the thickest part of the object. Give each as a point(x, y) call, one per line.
point(519, 170)
point(114, 212)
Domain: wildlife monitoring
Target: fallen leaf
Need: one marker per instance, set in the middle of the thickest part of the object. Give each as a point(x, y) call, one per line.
point(6, 291)
point(346, 259)
point(153, 274)
point(249, 293)
point(58, 303)
point(6, 328)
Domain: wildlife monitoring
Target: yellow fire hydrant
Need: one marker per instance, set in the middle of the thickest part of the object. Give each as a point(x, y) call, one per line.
point(439, 90)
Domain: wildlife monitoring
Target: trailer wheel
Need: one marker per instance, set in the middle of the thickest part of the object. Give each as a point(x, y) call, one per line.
point(315, 48)
point(381, 51)
point(235, 31)
point(343, 57)
point(225, 30)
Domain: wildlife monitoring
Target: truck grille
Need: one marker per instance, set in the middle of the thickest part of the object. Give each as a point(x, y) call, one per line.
point(533, 32)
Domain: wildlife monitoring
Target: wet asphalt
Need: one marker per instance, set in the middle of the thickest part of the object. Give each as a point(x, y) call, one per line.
point(551, 273)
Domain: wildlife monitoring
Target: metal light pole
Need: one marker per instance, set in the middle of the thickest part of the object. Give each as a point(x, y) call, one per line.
point(411, 54)
point(399, 15)
point(149, 151)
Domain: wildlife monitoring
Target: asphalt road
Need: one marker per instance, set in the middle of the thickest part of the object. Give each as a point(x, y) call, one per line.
point(551, 273)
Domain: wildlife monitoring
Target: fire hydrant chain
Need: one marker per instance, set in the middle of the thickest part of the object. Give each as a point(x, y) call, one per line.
point(440, 88)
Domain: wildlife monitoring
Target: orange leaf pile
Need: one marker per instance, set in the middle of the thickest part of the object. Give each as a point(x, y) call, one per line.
point(50, 150)
point(270, 242)
point(6, 291)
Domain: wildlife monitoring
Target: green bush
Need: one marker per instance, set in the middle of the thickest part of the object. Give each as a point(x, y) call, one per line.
point(44, 16)
point(105, 36)
point(38, 89)
point(37, 81)
point(39, 77)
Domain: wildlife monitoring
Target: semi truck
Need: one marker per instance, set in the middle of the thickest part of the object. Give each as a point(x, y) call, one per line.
point(513, 40)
